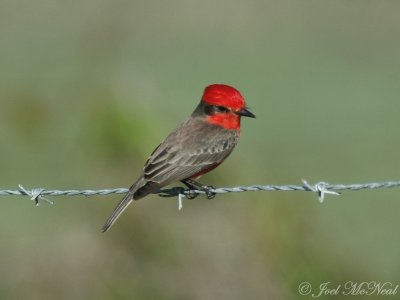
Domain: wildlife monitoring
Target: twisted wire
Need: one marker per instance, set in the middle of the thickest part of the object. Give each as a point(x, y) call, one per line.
point(321, 188)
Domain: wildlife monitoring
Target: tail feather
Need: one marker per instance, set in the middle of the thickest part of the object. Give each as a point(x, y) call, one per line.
point(118, 210)
point(139, 189)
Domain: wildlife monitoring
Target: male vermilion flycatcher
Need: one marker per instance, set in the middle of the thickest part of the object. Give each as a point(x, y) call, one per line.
point(198, 145)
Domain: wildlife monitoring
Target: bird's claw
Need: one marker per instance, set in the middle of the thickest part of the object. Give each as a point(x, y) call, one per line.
point(207, 189)
point(191, 194)
point(209, 193)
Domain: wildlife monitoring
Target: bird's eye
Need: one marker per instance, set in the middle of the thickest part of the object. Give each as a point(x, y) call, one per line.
point(221, 109)
point(213, 109)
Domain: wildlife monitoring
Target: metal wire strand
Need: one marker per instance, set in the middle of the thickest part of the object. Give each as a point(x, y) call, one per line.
point(320, 188)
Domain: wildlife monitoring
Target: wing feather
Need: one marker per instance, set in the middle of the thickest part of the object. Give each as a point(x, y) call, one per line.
point(186, 152)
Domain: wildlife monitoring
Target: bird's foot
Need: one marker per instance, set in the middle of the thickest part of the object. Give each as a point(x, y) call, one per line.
point(191, 194)
point(207, 189)
point(194, 185)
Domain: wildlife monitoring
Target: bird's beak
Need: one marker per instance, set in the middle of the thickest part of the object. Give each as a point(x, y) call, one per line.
point(245, 113)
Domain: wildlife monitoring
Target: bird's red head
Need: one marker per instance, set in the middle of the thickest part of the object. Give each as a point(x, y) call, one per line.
point(224, 106)
point(224, 95)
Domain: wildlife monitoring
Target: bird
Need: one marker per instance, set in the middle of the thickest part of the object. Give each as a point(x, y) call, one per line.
point(198, 145)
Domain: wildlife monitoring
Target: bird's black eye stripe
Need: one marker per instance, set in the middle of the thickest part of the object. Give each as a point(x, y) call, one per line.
point(221, 109)
point(212, 109)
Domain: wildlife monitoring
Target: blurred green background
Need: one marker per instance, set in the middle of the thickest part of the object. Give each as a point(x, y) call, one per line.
point(89, 88)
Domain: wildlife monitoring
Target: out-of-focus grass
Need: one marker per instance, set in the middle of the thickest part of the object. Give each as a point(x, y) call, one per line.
point(88, 89)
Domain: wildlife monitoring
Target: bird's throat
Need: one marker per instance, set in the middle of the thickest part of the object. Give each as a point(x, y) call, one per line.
point(227, 121)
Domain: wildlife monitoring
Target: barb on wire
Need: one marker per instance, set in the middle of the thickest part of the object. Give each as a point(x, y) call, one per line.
point(320, 188)
point(35, 194)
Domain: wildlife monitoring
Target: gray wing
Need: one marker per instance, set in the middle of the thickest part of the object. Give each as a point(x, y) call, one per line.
point(194, 146)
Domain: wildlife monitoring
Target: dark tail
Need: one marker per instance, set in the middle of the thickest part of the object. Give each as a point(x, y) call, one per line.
point(139, 189)
point(118, 211)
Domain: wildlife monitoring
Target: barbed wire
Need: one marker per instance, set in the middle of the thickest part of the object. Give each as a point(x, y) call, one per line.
point(320, 188)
